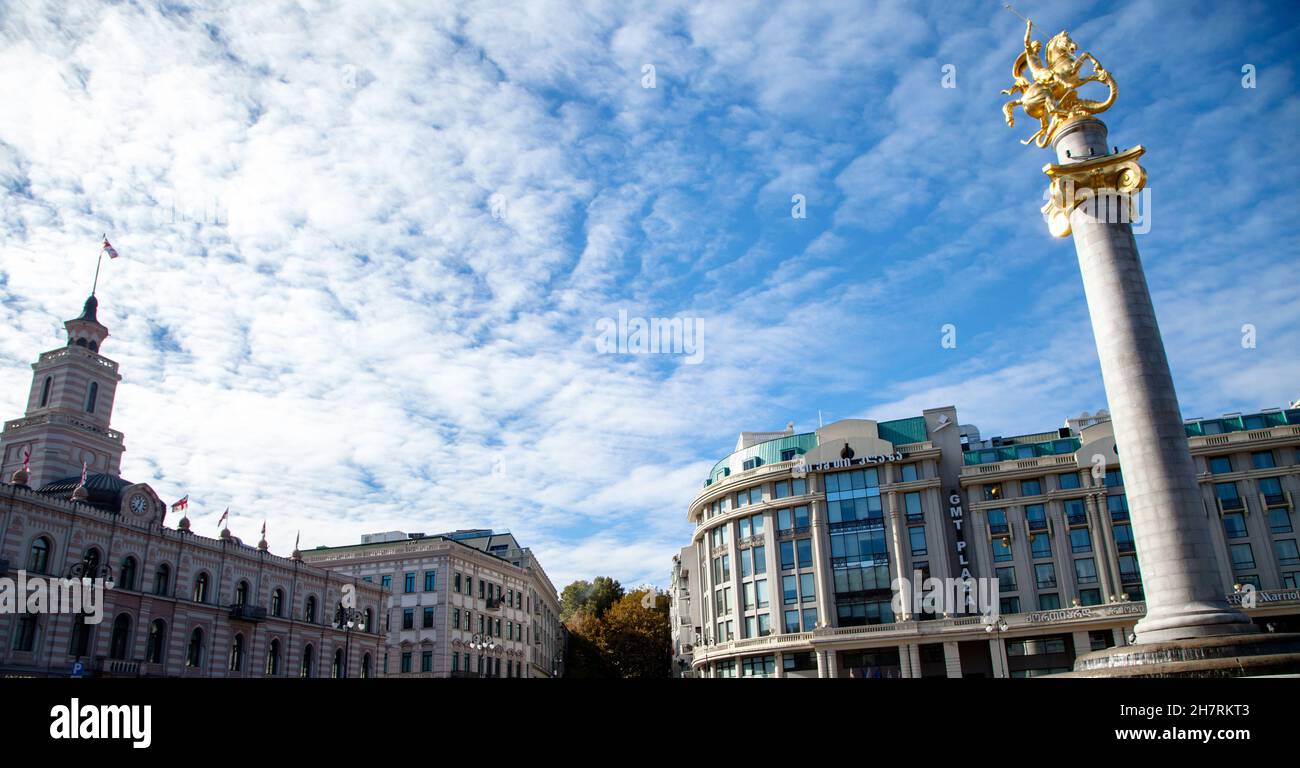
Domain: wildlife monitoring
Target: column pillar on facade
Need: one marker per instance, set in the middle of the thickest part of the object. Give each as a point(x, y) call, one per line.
point(780, 664)
point(998, 655)
point(820, 530)
point(896, 543)
point(1100, 551)
point(952, 659)
point(1112, 553)
point(822, 670)
point(905, 660)
point(832, 663)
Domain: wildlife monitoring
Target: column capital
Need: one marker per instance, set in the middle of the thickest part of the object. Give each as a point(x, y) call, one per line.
point(1083, 182)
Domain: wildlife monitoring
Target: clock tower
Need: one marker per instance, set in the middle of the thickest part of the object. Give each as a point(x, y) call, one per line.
point(68, 410)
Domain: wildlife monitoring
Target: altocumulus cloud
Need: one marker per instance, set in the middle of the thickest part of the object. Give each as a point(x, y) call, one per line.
point(365, 245)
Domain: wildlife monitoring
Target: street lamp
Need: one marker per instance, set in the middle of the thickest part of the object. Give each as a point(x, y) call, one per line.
point(481, 643)
point(348, 619)
point(998, 627)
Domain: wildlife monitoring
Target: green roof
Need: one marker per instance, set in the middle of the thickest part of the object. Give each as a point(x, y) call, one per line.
point(1262, 420)
point(1056, 447)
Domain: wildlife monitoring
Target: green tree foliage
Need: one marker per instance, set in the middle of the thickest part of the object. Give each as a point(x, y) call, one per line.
point(612, 634)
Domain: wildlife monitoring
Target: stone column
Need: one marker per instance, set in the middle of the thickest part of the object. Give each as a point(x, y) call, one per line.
point(952, 659)
point(1179, 566)
point(1100, 552)
point(896, 542)
point(819, 528)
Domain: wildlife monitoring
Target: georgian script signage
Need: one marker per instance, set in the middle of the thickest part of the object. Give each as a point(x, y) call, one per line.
point(1073, 614)
point(855, 462)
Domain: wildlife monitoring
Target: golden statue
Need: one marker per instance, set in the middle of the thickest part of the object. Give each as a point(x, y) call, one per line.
point(1051, 96)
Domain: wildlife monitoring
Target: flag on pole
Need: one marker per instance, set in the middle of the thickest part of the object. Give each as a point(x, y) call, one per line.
point(224, 515)
point(83, 474)
point(264, 529)
point(109, 249)
point(181, 503)
point(295, 541)
point(27, 457)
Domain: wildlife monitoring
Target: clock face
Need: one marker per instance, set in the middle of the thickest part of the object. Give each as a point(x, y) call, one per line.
point(138, 503)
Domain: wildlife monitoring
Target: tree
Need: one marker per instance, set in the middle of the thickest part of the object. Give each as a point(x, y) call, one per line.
point(594, 597)
point(637, 638)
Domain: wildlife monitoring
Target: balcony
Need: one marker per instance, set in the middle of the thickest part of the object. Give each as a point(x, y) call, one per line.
point(245, 612)
point(105, 667)
point(493, 603)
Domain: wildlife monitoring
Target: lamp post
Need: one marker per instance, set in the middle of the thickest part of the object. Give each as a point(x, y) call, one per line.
point(347, 619)
point(996, 629)
point(481, 642)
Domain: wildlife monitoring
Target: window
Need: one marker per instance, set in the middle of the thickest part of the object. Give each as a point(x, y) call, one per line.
point(1080, 540)
point(1279, 521)
point(1234, 525)
point(1287, 554)
point(428, 618)
point(789, 590)
point(25, 636)
point(809, 619)
point(764, 624)
point(236, 662)
point(1009, 605)
point(799, 662)
point(760, 559)
point(907, 473)
point(791, 622)
point(406, 662)
point(408, 618)
point(1031, 487)
point(117, 646)
point(1118, 507)
point(277, 602)
point(1068, 481)
point(1001, 550)
point(194, 651)
point(1050, 602)
point(916, 537)
point(1090, 597)
point(241, 593)
point(1271, 489)
point(309, 609)
point(45, 391)
point(1124, 538)
point(912, 506)
point(805, 552)
point(1036, 517)
point(997, 521)
point(1045, 575)
point(92, 397)
point(1220, 464)
point(760, 590)
point(1085, 571)
point(1262, 460)
point(1243, 558)
point(126, 579)
point(156, 643)
point(1114, 478)
point(758, 666)
point(788, 454)
point(408, 584)
point(386, 581)
point(1227, 495)
point(426, 661)
point(806, 589)
point(1075, 513)
point(38, 557)
point(1007, 579)
point(1040, 545)
point(430, 580)
point(993, 491)
point(201, 588)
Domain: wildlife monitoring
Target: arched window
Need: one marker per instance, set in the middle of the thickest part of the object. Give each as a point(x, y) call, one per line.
point(25, 637)
point(201, 588)
point(117, 646)
point(127, 578)
point(365, 665)
point(308, 662)
point(81, 342)
point(309, 611)
point(241, 593)
point(162, 579)
point(92, 397)
point(153, 651)
point(237, 654)
point(277, 602)
point(337, 669)
point(194, 654)
point(38, 558)
point(94, 345)
point(79, 643)
point(90, 563)
point(45, 390)
point(273, 659)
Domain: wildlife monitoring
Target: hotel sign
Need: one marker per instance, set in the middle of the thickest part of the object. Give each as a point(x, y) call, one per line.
point(1073, 614)
point(850, 462)
point(1260, 597)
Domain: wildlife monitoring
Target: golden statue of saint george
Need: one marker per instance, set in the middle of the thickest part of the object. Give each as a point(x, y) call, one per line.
point(1050, 91)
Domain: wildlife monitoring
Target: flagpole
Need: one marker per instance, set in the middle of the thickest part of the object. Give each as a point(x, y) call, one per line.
point(97, 263)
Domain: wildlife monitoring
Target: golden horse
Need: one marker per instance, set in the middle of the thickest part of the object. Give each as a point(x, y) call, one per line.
point(1049, 94)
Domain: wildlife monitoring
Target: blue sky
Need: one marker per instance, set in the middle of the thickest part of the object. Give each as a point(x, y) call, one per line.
point(366, 247)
